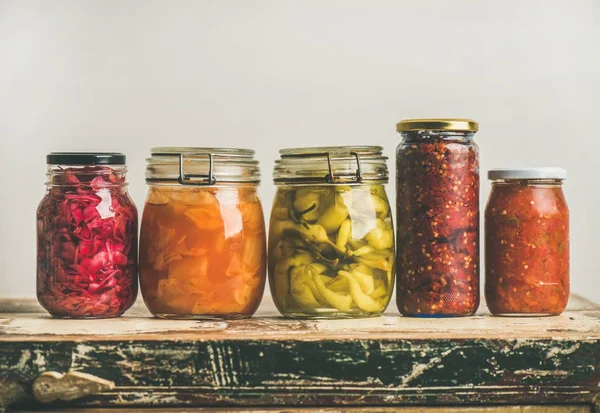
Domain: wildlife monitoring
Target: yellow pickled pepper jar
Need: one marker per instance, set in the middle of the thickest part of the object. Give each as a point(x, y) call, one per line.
point(331, 238)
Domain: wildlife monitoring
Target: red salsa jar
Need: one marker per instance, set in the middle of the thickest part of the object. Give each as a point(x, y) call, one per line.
point(437, 189)
point(86, 237)
point(527, 242)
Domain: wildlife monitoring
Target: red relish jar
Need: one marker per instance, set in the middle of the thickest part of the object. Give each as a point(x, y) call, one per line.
point(437, 181)
point(86, 237)
point(527, 242)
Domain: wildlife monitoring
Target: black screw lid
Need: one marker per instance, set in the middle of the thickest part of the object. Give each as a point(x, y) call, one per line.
point(85, 158)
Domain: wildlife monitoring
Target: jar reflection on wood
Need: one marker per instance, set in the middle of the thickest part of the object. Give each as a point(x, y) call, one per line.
point(86, 237)
point(438, 218)
point(527, 242)
point(203, 237)
point(331, 240)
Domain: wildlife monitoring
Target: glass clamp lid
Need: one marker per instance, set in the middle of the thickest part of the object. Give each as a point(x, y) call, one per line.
point(201, 166)
point(332, 165)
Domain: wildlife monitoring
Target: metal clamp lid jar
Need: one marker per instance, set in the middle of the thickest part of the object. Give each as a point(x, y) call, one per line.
point(203, 237)
point(331, 240)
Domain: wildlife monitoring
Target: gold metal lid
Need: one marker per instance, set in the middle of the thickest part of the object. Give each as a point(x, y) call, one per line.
point(449, 124)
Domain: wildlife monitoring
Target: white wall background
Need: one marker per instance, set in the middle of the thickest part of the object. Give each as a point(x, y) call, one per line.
point(128, 75)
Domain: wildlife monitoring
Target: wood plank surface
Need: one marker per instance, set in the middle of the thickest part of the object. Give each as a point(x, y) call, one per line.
point(270, 361)
point(580, 321)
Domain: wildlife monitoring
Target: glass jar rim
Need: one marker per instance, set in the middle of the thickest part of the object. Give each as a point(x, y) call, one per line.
point(201, 166)
point(331, 165)
point(75, 175)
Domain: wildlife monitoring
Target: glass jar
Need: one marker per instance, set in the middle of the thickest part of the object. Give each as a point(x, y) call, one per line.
point(203, 238)
point(86, 237)
point(527, 242)
point(331, 240)
point(437, 203)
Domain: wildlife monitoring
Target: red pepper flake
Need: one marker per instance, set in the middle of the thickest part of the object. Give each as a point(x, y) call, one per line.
point(438, 226)
point(527, 249)
point(87, 245)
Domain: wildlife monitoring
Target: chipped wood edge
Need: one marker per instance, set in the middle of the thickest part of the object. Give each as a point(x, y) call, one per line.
point(572, 408)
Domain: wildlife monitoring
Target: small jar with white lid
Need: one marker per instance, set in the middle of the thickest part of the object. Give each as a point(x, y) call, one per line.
point(527, 242)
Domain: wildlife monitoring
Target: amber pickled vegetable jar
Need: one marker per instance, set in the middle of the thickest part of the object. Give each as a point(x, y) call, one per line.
point(86, 237)
point(203, 238)
point(331, 238)
point(527, 242)
point(437, 189)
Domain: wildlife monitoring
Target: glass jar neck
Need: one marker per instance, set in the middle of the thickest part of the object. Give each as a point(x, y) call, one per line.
point(340, 165)
point(198, 167)
point(438, 135)
point(86, 175)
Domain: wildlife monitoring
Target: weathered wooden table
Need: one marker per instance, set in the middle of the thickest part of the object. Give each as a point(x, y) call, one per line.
point(267, 363)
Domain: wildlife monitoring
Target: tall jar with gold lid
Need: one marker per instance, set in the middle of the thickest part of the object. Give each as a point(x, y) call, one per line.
point(437, 202)
point(331, 240)
point(203, 238)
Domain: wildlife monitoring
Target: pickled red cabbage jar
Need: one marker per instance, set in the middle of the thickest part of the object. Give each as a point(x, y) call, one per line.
point(203, 238)
point(331, 237)
point(86, 237)
point(437, 189)
point(527, 242)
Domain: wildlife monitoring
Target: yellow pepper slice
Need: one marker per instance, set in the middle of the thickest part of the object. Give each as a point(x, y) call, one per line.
point(300, 291)
point(333, 216)
point(304, 298)
point(362, 300)
point(379, 292)
point(390, 272)
point(305, 198)
point(365, 249)
point(341, 302)
point(366, 282)
point(282, 284)
point(381, 263)
point(344, 235)
point(365, 269)
point(377, 254)
point(380, 237)
point(300, 275)
point(338, 285)
point(381, 207)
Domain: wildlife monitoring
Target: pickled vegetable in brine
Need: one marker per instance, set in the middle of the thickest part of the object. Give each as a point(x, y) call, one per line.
point(202, 252)
point(87, 243)
point(331, 251)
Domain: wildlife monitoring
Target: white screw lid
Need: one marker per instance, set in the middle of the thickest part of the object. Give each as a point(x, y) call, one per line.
point(527, 173)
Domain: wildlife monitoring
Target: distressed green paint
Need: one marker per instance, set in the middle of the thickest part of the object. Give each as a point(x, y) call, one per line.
point(347, 369)
point(313, 372)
